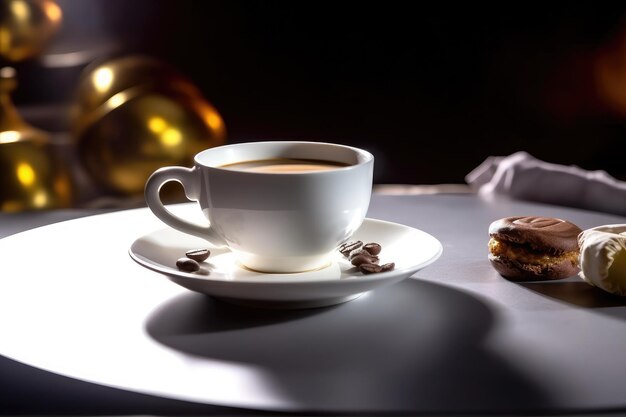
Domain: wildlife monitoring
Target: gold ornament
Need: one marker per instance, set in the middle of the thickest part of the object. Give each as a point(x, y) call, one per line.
point(134, 115)
point(26, 26)
point(30, 177)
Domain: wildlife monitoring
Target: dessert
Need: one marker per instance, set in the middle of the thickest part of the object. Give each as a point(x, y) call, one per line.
point(603, 257)
point(533, 248)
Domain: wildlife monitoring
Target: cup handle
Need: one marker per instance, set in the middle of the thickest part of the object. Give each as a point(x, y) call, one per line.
point(188, 178)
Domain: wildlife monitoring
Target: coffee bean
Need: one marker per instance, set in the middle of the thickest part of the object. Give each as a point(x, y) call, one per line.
point(373, 248)
point(198, 255)
point(358, 252)
point(348, 247)
point(363, 252)
point(369, 268)
point(362, 256)
point(387, 267)
point(373, 268)
point(363, 259)
point(187, 265)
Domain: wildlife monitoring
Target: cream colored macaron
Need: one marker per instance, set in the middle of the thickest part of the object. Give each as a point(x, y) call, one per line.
point(603, 257)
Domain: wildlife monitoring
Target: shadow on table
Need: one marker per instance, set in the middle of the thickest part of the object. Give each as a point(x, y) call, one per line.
point(193, 313)
point(414, 346)
point(29, 391)
point(577, 292)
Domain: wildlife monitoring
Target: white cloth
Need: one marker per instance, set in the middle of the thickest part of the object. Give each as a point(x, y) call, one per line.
point(524, 177)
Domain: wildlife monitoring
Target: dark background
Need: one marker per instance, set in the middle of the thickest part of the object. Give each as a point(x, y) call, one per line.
point(431, 91)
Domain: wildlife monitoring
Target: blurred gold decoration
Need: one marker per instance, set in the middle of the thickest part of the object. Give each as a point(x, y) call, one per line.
point(136, 114)
point(610, 74)
point(30, 177)
point(26, 26)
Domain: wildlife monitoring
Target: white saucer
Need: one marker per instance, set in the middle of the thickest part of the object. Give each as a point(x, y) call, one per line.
point(222, 276)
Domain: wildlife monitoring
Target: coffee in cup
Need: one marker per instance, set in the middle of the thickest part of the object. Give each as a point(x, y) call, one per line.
point(284, 165)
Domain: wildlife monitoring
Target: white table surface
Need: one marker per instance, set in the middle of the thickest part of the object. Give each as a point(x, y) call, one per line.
point(456, 338)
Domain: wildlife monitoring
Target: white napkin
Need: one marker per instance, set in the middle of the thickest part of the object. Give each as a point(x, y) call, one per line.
point(524, 177)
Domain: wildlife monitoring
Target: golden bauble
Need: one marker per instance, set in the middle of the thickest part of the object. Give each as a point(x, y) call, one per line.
point(134, 115)
point(31, 176)
point(150, 131)
point(30, 179)
point(101, 81)
point(26, 27)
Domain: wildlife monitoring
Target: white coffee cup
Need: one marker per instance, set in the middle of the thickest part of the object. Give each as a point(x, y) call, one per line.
point(273, 222)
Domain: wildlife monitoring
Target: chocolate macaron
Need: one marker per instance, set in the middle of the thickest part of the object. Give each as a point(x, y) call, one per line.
point(534, 248)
